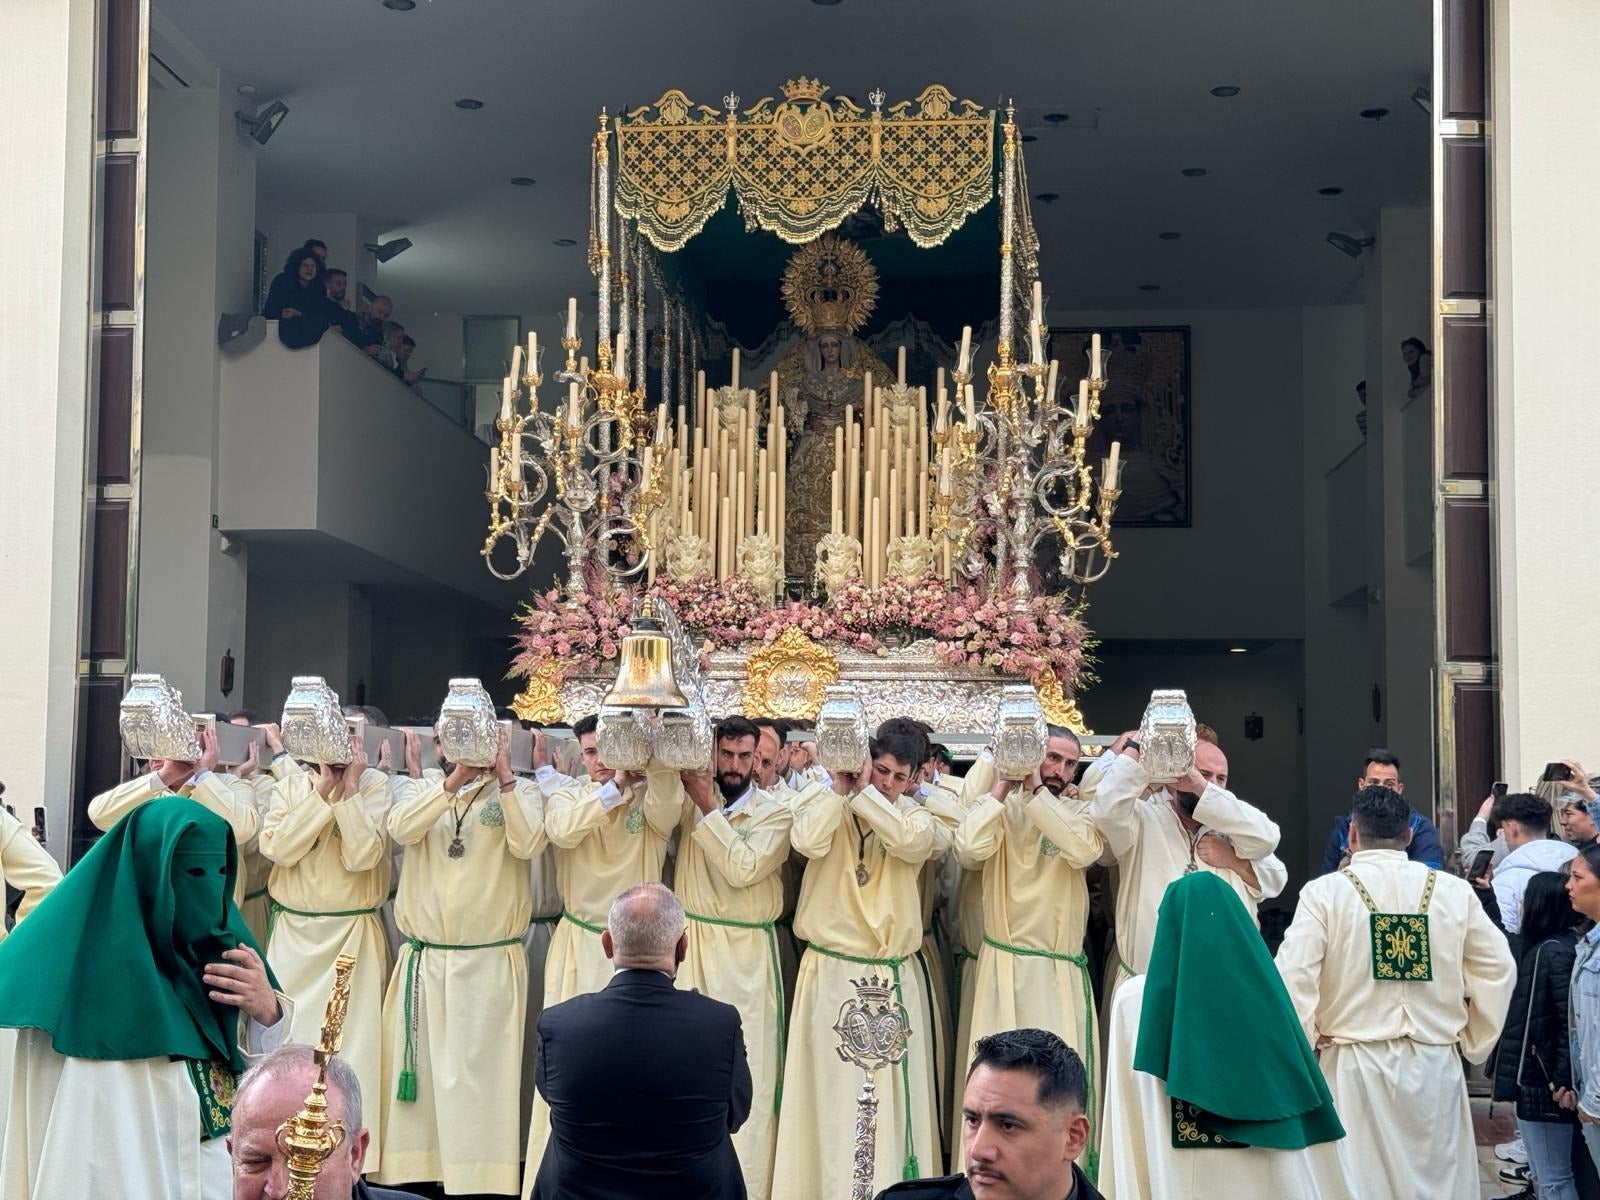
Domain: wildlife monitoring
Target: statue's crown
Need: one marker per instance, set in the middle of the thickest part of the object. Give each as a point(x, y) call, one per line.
point(803, 89)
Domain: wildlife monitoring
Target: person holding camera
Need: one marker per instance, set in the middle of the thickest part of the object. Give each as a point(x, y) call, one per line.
point(1524, 823)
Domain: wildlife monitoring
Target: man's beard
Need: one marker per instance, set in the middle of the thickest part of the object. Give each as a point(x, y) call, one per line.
point(1056, 783)
point(732, 785)
point(1186, 801)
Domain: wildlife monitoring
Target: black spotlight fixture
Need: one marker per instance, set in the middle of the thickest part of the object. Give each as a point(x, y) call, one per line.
point(1345, 244)
point(1194, 172)
point(1170, 235)
point(1048, 197)
point(1149, 287)
point(1374, 114)
point(565, 242)
point(264, 124)
point(383, 253)
point(1225, 91)
point(1330, 191)
point(522, 181)
point(1030, 137)
point(400, 5)
point(468, 103)
point(1058, 118)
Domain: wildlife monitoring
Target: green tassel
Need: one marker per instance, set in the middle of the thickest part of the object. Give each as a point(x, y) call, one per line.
point(407, 1090)
point(912, 1171)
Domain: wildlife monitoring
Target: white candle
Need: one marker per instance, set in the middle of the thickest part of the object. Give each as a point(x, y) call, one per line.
point(572, 403)
point(736, 366)
point(572, 317)
point(1113, 467)
point(972, 411)
point(1050, 387)
point(620, 360)
point(1037, 322)
point(533, 351)
point(516, 363)
point(1080, 417)
point(965, 363)
point(494, 468)
point(505, 399)
point(944, 472)
point(1094, 356)
point(901, 358)
point(516, 460)
point(661, 425)
point(1038, 346)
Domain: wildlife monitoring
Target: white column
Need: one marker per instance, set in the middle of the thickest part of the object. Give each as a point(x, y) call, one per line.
point(46, 160)
point(1546, 395)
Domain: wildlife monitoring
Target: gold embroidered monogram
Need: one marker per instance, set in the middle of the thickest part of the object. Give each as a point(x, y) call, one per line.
point(1400, 949)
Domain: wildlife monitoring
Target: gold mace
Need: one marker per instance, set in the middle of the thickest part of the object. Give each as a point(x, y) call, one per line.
point(308, 1138)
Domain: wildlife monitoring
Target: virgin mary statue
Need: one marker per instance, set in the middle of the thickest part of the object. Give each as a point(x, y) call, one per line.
point(830, 287)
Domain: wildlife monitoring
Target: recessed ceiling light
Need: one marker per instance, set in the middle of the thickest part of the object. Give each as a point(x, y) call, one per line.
point(1330, 191)
point(1193, 172)
point(1225, 91)
point(1030, 137)
point(1374, 114)
point(565, 242)
point(825, 3)
point(1169, 236)
point(1048, 197)
point(522, 181)
point(400, 5)
point(1238, 650)
point(1058, 118)
point(1149, 287)
point(468, 103)
point(247, 89)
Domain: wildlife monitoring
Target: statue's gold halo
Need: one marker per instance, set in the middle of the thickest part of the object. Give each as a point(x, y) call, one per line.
point(830, 285)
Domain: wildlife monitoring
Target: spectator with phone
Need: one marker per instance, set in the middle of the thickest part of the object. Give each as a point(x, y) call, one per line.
point(1524, 821)
point(1381, 768)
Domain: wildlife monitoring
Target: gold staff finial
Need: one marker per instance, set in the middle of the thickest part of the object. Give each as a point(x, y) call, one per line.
point(308, 1138)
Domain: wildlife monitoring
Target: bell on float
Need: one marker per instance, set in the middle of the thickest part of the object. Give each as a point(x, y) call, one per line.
point(644, 677)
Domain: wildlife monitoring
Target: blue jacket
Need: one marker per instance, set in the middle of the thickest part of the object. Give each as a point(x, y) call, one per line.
point(1425, 844)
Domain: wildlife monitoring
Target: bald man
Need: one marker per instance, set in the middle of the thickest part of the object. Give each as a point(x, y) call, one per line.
point(1160, 830)
point(272, 1092)
point(646, 1083)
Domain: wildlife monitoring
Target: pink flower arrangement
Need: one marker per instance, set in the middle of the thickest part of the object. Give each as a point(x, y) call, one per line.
point(969, 627)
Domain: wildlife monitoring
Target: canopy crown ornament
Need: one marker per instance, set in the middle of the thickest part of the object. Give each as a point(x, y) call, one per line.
point(804, 89)
point(830, 286)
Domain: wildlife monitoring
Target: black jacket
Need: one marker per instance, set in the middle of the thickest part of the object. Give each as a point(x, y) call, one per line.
point(646, 1086)
point(1538, 1019)
point(956, 1187)
point(365, 1191)
point(310, 300)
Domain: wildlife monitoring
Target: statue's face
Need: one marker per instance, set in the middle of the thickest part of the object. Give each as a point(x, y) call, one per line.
point(828, 347)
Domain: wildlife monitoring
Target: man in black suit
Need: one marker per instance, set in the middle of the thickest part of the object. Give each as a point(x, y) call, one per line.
point(1023, 1125)
point(646, 1084)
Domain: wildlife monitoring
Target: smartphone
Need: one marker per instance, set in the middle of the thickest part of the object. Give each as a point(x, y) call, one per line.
point(1556, 773)
point(38, 826)
point(1498, 789)
point(1480, 864)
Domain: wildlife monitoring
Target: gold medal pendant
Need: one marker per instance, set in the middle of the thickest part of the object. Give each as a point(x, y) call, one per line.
point(862, 874)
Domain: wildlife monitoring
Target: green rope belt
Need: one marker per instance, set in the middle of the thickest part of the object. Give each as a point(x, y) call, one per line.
point(407, 1088)
point(581, 923)
point(275, 908)
point(255, 895)
point(777, 985)
point(1091, 1157)
point(910, 1168)
point(544, 920)
point(962, 957)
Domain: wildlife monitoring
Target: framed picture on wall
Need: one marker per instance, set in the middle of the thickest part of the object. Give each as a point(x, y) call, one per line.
point(1145, 406)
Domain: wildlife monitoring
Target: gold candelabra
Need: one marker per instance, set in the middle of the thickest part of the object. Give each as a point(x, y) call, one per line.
point(308, 1139)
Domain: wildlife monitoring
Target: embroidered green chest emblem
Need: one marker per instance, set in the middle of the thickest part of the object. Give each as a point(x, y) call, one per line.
point(1048, 848)
point(213, 1084)
point(635, 820)
point(1192, 1129)
point(492, 814)
point(1400, 949)
point(742, 832)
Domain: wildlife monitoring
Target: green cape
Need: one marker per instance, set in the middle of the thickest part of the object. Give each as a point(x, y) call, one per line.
point(110, 962)
point(1218, 1027)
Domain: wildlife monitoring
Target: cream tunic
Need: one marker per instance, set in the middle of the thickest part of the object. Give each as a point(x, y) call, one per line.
point(467, 1002)
point(255, 867)
point(946, 807)
point(1139, 1162)
point(1392, 1066)
point(234, 800)
point(605, 843)
point(872, 923)
point(330, 874)
point(728, 871)
point(1152, 848)
point(24, 865)
point(536, 944)
point(1032, 971)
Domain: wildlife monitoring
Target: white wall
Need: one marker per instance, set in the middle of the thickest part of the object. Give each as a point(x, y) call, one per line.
point(1546, 418)
point(304, 627)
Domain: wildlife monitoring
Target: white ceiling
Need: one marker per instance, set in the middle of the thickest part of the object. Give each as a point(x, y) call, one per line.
point(373, 127)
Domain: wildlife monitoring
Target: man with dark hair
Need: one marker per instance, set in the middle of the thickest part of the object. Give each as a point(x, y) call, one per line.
point(1396, 974)
point(1524, 822)
point(1031, 841)
point(866, 840)
point(1380, 768)
point(1024, 1124)
point(733, 839)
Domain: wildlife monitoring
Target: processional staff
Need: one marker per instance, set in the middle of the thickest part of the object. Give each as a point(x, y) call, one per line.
point(308, 1139)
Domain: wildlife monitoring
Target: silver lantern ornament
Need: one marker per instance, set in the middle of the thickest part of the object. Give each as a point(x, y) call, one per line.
point(841, 730)
point(1167, 735)
point(468, 729)
point(153, 722)
point(1020, 732)
point(313, 725)
point(683, 737)
point(622, 739)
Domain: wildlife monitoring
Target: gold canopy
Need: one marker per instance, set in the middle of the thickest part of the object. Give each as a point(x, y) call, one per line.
point(800, 166)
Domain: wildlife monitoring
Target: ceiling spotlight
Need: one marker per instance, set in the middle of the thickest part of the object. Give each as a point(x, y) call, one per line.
point(387, 250)
point(1374, 114)
point(469, 104)
point(522, 181)
point(565, 242)
point(1330, 191)
point(264, 124)
point(400, 5)
point(1030, 137)
point(1353, 246)
point(1225, 91)
point(1149, 287)
point(1048, 197)
point(1238, 650)
point(1422, 98)
point(1058, 118)
point(247, 89)
point(825, 3)
point(1193, 172)
point(1169, 236)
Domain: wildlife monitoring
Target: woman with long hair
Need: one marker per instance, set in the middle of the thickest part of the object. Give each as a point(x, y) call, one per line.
point(298, 301)
point(1533, 1065)
point(1583, 1096)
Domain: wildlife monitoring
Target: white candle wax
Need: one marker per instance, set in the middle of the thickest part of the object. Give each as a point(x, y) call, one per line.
point(516, 363)
point(494, 468)
point(735, 378)
point(966, 349)
point(1094, 356)
point(1113, 466)
point(971, 407)
point(505, 399)
point(1080, 416)
point(901, 366)
point(572, 403)
point(572, 317)
point(533, 351)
